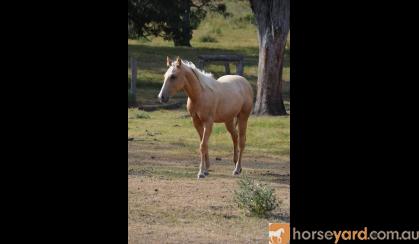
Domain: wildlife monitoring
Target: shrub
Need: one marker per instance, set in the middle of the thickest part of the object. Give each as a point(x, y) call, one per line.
point(135, 113)
point(142, 115)
point(257, 199)
point(207, 38)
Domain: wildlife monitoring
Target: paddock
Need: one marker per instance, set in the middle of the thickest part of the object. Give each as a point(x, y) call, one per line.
point(167, 202)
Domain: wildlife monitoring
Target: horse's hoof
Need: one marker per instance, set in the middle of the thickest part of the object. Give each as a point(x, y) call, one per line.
point(235, 173)
point(206, 173)
point(201, 176)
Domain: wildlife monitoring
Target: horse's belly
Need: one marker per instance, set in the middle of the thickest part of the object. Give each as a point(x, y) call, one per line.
point(226, 112)
point(228, 106)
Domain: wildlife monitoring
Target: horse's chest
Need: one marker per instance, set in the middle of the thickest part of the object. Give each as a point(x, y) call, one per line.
point(200, 111)
point(191, 107)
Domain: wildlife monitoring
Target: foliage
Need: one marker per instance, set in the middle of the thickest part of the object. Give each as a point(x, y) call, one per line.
point(173, 20)
point(257, 199)
point(142, 115)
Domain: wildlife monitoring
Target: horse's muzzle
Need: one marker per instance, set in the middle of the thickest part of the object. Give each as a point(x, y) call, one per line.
point(164, 99)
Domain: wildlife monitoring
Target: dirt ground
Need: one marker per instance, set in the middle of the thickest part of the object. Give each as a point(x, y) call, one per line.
point(167, 204)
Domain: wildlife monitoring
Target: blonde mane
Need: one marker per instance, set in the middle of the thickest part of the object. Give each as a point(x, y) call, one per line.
point(206, 79)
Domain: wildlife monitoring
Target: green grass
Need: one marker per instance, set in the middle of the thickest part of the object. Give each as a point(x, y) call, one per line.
point(266, 135)
point(215, 35)
point(208, 38)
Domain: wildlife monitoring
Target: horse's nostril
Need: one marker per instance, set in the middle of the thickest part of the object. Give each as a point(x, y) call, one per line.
point(164, 99)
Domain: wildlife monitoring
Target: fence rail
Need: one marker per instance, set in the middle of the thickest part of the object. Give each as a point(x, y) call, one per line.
point(226, 59)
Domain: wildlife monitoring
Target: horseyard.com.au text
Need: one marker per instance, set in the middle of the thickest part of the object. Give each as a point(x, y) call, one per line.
point(363, 234)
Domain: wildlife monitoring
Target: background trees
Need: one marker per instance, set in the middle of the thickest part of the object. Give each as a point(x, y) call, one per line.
point(173, 20)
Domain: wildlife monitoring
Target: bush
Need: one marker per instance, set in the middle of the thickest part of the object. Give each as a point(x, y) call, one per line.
point(207, 38)
point(135, 113)
point(142, 115)
point(257, 199)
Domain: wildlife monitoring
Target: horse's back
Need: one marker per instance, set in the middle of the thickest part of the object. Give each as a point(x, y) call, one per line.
point(236, 83)
point(237, 92)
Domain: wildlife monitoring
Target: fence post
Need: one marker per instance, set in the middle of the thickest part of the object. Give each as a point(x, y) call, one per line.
point(134, 78)
point(240, 67)
point(227, 68)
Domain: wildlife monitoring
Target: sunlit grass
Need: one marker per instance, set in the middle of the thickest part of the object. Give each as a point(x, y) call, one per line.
point(266, 135)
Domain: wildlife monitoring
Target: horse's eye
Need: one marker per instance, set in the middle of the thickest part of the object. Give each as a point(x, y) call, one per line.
point(172, 77)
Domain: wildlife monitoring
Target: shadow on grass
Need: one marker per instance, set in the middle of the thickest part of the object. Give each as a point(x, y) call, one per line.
point(281, 217)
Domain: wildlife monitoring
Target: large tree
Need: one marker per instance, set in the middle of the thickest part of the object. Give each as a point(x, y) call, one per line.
point(173, 20)
point(272, 19)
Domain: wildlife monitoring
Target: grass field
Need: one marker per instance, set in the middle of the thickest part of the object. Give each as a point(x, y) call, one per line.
point(167, 204)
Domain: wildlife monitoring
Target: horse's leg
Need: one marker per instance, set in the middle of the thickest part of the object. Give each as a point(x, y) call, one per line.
point(198, 126)
point(204, 148)
point(242, 141)
point(207, 164)
point(200, 129)
point(233, 132)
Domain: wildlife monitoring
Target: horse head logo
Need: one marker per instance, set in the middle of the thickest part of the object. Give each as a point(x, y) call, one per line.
point(278, 233)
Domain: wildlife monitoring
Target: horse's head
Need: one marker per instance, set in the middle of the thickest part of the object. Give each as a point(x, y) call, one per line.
point(174, 80)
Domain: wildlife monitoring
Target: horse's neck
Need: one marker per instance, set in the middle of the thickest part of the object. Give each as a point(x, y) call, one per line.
point(193, 86)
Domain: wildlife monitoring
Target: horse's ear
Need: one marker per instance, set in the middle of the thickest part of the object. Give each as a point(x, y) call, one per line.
point(168, 61)
point(178, 62)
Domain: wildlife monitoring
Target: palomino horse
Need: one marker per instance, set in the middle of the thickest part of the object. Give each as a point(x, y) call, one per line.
point(228, 100)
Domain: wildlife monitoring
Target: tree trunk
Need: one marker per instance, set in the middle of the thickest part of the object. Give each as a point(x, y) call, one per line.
point(272, 18)
point(181, 41)
point(183, 36)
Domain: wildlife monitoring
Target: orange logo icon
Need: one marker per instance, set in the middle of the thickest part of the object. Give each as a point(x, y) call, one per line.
point(279, 233)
